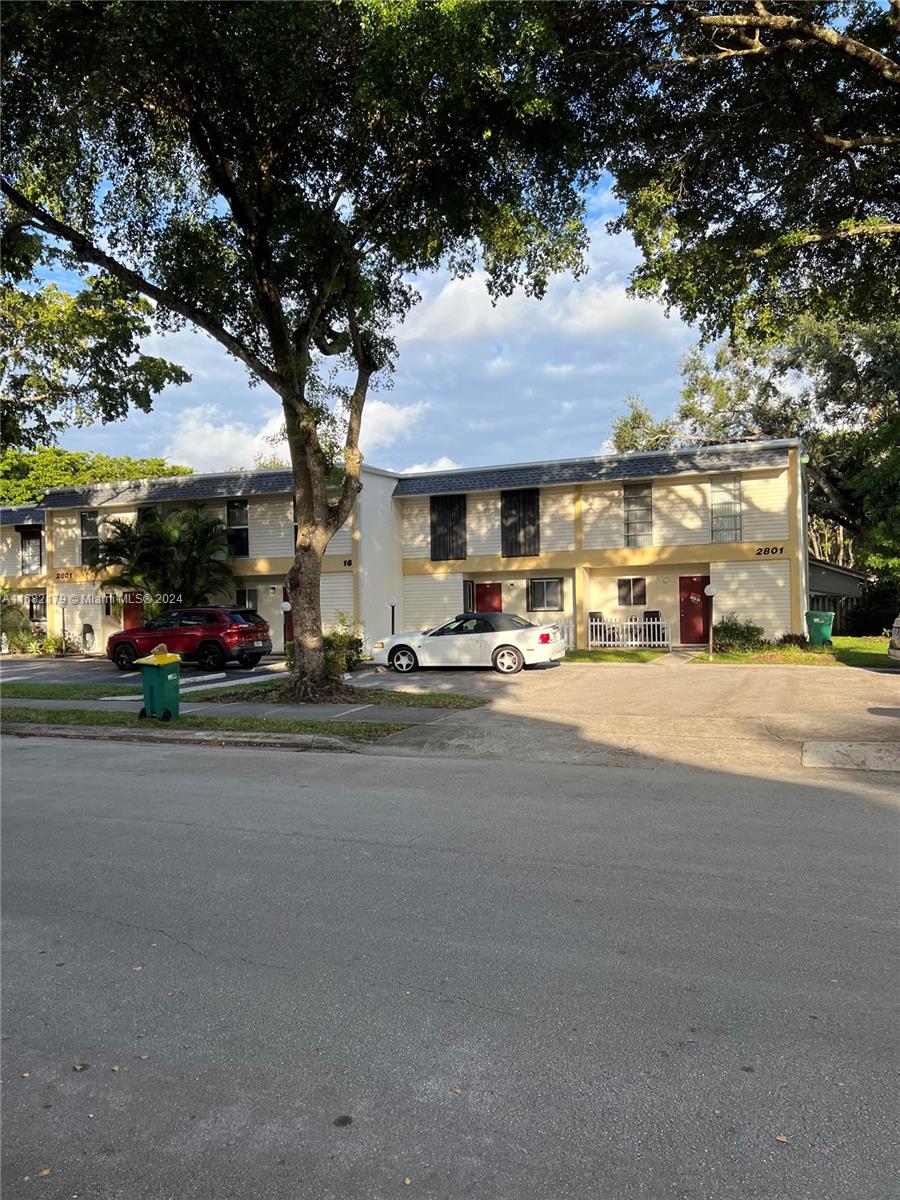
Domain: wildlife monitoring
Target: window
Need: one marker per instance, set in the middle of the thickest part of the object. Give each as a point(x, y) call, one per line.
point(168, 620)
point(238, 528)
point(193, 619)
point(31, 551)
point(37, 607)
point(90, 538)
point(448, 527)
point(247, 598)
point(520, 523)
point(725, 509)
point(545, 595)
point(632, 592)
point(464, 625)
point(469, 595)
point(638, 504)
point(247, 617)
point(505, 622)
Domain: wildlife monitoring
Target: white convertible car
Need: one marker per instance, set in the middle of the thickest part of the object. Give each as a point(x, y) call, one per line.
point(491, 639)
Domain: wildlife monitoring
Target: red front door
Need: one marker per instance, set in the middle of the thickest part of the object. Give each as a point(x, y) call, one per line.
point(693, 605)
point(488, 597)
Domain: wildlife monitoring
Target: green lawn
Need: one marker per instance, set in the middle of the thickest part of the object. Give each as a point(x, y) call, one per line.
point(68, 691)
point(353, 695)
point(846, 651)
point(355, 730)
point(611, 656)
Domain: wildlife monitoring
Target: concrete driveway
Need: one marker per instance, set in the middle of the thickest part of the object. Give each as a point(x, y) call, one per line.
point(752, 718)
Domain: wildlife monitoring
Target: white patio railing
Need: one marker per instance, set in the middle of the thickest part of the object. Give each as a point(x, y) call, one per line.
point(633, 634)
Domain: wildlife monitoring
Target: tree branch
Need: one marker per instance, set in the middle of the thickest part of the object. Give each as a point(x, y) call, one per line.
point(764, 19)
point(85, 250)
point(882, 229)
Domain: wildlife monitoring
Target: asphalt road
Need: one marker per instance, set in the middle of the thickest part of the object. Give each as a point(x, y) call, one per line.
point(325, 977)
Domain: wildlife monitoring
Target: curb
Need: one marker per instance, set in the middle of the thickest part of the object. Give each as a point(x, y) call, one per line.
point(298, 742)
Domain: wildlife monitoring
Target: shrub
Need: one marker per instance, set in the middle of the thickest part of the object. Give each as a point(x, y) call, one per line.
point(342, 649)
point(20, 640)
point(877, 608)
point(731, 633)
point(794, 639)
point(14, 621)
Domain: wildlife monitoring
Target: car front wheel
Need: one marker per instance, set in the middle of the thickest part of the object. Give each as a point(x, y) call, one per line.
point(508, 660)
point(123, 657)
point(404, 660)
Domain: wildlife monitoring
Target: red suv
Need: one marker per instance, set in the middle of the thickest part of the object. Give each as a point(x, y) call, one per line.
point(210, 636)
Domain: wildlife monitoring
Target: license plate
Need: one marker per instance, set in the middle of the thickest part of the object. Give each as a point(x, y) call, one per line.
point(257, 643)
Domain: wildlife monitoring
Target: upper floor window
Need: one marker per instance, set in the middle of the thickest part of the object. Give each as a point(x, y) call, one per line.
point(725, 509)
point(520, 523)
point(448, 527)
point(90, 537)
point(31, 551)
point(545, 595)
point(638, 507)
point(238, 522)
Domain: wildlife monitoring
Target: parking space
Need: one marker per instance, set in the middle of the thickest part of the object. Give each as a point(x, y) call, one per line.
point(81, 669)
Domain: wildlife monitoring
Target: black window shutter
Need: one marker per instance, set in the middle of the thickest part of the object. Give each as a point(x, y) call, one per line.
point(639, 591)
point(520, 523)
point(448, 527)
point(624, 592)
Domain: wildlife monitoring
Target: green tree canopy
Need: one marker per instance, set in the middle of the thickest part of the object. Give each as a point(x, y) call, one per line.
point(26, 474)
point(73, 359)
point(272, 173)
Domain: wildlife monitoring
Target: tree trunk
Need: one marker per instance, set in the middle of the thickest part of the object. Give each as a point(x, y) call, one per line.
point(309, 678)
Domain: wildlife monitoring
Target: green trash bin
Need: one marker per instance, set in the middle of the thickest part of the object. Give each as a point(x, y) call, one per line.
point(819, 626)
point(161, 678)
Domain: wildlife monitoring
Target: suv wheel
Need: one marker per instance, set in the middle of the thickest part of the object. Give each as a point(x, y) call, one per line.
point(124, 656)
point(211, 657)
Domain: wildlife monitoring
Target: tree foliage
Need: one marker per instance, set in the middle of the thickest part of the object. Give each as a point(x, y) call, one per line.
point(26, 474)
point(184, 553)
point(756, 147)
point(73, 359)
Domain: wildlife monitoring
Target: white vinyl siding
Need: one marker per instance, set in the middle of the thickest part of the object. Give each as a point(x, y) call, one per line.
point(66, 540)
point(10, 558)
point(483, 523)
point(765, 507)
point(336, 596)
point(430, 599)
point(342, 542)
point(417, 528)
point(755, 591)
point(680, 513)
point(271, 531)
point(557, 520)
point(601, 518)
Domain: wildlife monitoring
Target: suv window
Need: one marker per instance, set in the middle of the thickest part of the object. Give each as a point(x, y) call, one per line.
point(168, 620)
point(246, 617)
point(200, 618)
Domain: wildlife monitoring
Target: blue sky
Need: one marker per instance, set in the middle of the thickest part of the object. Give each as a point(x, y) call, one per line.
point(474, 383)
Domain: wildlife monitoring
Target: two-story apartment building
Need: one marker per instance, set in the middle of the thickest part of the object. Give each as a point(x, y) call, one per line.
point(620, 535)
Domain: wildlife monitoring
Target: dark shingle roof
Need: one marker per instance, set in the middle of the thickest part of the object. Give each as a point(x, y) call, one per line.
point(175, 487)
point(21, 514)
point(696, 460)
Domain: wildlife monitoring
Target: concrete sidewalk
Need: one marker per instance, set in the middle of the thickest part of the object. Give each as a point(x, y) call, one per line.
point(381, 714)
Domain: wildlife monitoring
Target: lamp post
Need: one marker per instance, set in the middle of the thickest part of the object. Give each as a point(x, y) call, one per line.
point(710, 591)
point(393, 602)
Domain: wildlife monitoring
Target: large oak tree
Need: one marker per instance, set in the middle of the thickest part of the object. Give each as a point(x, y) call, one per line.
point(272, 173)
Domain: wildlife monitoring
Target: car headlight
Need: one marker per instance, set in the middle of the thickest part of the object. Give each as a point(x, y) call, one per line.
point(378, 646)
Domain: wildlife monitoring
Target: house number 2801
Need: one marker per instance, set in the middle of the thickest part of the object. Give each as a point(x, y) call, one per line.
point(770, 550)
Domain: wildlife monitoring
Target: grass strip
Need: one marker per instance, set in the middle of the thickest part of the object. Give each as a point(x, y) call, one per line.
point(68, 691)
point(357, 731)
point(279, 694)
point(611, 656)
point(845, 651)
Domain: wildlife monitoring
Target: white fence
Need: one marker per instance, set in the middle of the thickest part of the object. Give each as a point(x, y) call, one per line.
point(633, 634)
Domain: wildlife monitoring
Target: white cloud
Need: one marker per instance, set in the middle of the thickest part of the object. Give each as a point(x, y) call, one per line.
point(461, 309)
point(559, 368)
point(205, 440)
point(440, 464)
point(383, 423)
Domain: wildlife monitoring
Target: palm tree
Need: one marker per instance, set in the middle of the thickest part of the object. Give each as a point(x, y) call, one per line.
point(181, 553)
